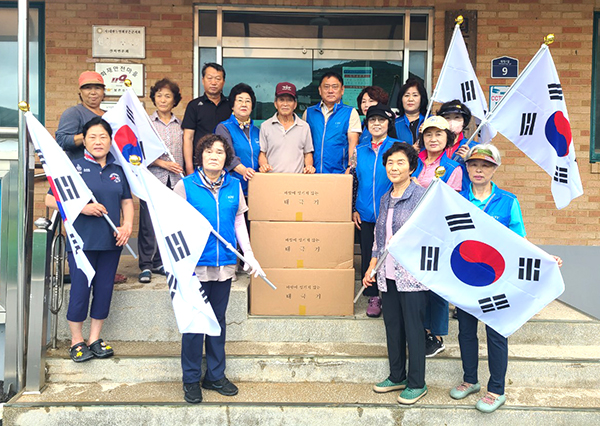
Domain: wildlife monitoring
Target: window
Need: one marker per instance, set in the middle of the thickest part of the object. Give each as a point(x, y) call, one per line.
point(8, 66)
point(595, 119)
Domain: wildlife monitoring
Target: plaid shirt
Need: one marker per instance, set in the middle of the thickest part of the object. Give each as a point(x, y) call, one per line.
point(172, 135)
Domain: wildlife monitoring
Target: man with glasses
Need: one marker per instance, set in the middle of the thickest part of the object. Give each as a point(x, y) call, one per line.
point(335, 127)
point(285, 141)
point(204, 113)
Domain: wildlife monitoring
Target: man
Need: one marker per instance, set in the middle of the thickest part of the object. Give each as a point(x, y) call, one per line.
point(335, 127)
point(285, 141)
point(204, 113)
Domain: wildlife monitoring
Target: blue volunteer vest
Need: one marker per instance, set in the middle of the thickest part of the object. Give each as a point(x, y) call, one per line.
point(499, 207)
point(403, 128)
point(220, 211)
point(247, 149)
point(445, 162)
point(372, 179)
point(330, 139)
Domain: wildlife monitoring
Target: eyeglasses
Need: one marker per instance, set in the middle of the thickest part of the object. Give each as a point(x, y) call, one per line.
point(377, 120)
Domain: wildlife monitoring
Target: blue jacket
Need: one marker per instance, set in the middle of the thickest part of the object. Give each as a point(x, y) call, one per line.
point(372, 179)
point(220, 211)
point(445, 162)
point(403, 128)
point(247, 149)
point(330, 139)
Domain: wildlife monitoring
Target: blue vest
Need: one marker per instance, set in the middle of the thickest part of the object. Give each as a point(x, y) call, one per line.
point(247, 149)
point(330, 139)
point(403, 128)
point(220, 211)
point(445, 162)
point(372, 179)
point(365, 137)
point(499, 207)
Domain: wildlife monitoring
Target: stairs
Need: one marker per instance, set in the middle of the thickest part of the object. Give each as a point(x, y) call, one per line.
point(306, 371)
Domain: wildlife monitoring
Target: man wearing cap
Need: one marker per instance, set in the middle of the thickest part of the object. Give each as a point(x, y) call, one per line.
point(204, 113)
point(334, 127)
point(69, 133)
point(285, 141)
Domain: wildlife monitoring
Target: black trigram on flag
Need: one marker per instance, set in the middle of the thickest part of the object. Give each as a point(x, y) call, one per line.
point(203, 293)
point(527, 123)
point(460, 221)
point(468, 91)
point(75, 246)
point(41, 156)
point(129, 114)
point(490, 304)
point(66, 188)
point(561, 175)
point(555, 91)
point(429, 258)
point(178, 246)
point(529, 269)
point(172, 282)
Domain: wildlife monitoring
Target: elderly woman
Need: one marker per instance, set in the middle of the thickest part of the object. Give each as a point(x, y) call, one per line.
point(482, 163)
point(412, 107)
point(369, 96)
point(404, 298)
point(458, 116)
point(165, 95)
point(241, 134)
point(69, 134)
point(371, 183)
point(219, 197)
point(102, 246)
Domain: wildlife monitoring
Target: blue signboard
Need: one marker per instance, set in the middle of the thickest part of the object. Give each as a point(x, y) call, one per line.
point(505, 67)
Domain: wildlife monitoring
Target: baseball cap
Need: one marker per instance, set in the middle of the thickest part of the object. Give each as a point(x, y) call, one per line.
point(285, 88)
point(90, 77)
point(380, 110)
point(435, 121)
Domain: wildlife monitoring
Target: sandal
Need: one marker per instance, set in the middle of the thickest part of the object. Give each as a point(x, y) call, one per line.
point(120, 279)
point(80, 352)
point(99, 349)
point(145, 276)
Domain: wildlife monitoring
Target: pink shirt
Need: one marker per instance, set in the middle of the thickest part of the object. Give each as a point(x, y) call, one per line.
point(428, 173)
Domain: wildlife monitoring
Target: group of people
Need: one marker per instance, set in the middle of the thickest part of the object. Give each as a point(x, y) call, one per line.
point(216, 149)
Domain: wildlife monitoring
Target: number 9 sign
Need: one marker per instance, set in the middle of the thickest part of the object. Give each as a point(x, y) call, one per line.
point(505, 67)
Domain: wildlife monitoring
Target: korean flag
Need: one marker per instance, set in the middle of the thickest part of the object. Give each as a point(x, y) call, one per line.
point(473, 261)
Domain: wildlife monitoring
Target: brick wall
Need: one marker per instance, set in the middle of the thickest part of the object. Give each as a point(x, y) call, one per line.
point(513, 28)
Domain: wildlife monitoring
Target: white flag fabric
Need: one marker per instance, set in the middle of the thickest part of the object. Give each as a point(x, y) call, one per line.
point(69, 189)
point(473, 261)
point(533, 115)
point(458, 81)
point(181, 235)
point(133, 132)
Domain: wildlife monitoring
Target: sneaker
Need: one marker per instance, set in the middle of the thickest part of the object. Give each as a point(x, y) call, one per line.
point(490, 403)
point(145, 276)
point(374, 308)
point(464, 389)
point(387, 386)
point(192, 393)
point(410, 396)
point(433, 346)
point(223, 386)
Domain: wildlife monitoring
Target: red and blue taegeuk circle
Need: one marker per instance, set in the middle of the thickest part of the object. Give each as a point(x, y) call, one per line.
point(127, 142)
point(476, 264)
point(558, 133)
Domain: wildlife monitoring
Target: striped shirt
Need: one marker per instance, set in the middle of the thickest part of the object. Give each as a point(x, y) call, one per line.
point(172, 135)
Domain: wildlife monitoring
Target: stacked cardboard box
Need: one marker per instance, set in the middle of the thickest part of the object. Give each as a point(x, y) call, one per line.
point(302, 234)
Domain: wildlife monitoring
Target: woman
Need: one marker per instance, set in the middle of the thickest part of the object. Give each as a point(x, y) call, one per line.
point(435, 138)
point(102, 246)
point(458, 116)
point(371, 183)
point(241, 134)
point(404, 298)
point(482, 163)
point(69, 134)
point(219, 197)
point(165, 95)
point(412, 107)
point(368, 97)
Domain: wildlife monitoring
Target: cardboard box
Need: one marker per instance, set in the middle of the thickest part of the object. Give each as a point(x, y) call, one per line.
point(323, 292)
point(300, 198)
point(317, 245)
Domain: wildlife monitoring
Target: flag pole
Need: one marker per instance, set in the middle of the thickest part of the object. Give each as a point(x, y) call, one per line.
point(549, 39)
point(439, 172)
point(112, 225)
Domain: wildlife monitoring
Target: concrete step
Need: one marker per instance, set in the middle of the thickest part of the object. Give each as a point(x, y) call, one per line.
point(313, 363)
point(299, 404)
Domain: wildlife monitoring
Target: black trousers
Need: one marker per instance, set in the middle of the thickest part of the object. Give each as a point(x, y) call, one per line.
point(367, 237)
point(403, 314)
point(149, 256)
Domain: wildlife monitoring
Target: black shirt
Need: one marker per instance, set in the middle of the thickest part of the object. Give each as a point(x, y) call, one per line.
point(202, 116)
